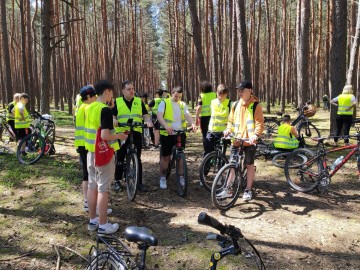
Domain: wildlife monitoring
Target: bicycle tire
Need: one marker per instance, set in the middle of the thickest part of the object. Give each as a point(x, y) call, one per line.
point(250, 257)
point(132, 175)
point(107, 261)
point(50, 132)
point(146, 137)
point(280, 159)
point(270, 128)
point(209, 167)
point(10, 132)
point(181, 189)
point(34, 149)
point(302, 174)
point(308, 131)
point(221, 185)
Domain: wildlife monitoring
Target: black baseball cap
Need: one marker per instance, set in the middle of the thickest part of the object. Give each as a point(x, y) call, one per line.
point(87, 90)
point(244, 84)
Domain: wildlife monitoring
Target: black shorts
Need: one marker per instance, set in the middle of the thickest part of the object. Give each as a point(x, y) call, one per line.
point(167, 143)
point(21, 133)
point(155, 122)
point(249, 154)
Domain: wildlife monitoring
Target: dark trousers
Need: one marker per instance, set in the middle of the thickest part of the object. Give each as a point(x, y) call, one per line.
point(343, 122)
point(210, 141)
point(83, 156)
point(121, 153)
point(204, 125)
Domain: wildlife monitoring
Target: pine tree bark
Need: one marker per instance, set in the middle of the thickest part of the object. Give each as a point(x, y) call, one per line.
point(354, 50)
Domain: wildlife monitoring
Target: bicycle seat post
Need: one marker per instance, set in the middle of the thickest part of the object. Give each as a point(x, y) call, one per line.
point(143, 247)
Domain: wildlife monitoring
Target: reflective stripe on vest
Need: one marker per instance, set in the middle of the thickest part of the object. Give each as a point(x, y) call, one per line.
point(344, 103)
point(92, 124)
point(21, 123)
point(124, 113)
point(219, 115)
point(206, 99)
point(80, 126)
point(169, 115)
point(284, 139)
point(250, 123)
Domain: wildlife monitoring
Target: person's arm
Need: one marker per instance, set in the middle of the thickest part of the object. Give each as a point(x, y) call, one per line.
point(230, 126)
point(294, 132)
point(107, 125)
point(334, 101)
point(259, 121)
point(189, 119)
point(145, 115)
point(353, 104)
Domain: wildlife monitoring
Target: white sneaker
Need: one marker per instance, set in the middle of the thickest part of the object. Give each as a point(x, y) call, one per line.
point(86, 207)
point(163, 184)
point(224, 194)
point(247, 195)
point(108, 228)
point(92, 226)
point(182, 181)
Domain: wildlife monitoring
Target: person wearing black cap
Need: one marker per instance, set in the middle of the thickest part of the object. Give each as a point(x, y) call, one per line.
point(246, 120)
point(88, 96)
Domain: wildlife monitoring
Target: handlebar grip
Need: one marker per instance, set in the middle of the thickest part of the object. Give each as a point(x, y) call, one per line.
point(205, 219)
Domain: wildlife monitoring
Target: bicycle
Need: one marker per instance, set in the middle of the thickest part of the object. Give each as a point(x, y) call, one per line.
point(314, 172)
point(231, 178)
point(5, 129)
point(117, 255)
point(146, 137)
point(232, 242)
point(39, 142)
point(178, 161)
point(213, 162)
point(131, 165)
point(271, 124)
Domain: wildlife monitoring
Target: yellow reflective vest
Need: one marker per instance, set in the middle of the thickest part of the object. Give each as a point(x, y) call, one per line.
point(124, 113)
point(250, 123)
point(93, 123)
point(80, 126)
point(169, 115)
point(285, 139)
point(21, 123)
point(344, 102)
point(9, 115)
point(206, 99)
point(156, 106)
point(219, 115)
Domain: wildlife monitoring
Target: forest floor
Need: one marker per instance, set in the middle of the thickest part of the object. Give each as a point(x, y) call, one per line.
point(41, 208)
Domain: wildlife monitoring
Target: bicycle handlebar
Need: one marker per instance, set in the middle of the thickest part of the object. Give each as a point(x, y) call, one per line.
point(205, 219)
point(35, 114)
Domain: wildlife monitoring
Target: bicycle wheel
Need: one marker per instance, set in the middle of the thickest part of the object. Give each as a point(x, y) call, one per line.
point(250, 257)
point(280, 159)
point(146, 137)
point(209, 167)
point(181, 182)
point(270, 128)
point(106, 261)
point(303, 169)
point(50, 132)
point(308, 131)
point(30, 149)
point(226, 187)
point(132, 175)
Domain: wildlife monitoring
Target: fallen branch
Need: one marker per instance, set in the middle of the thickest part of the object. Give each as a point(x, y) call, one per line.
point(74, 251)
point(58, 257)
point(31, 251)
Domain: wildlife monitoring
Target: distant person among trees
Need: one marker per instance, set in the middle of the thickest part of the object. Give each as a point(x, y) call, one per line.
point(326, 104)
point(287, 137)
point(219, 109)
point(203, 111)
point(10, 111)
point(98, 118)
point(346, 103)
point(172, 115)
point(88, 96)
point(154, 104)
point(22, 119)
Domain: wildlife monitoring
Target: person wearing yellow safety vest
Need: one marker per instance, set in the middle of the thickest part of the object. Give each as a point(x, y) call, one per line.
point(220, 109)
point(246, 120)
point(78, 103)
point(22, 119)
point(346, 103)
point(129, 107)
point(154, 104)
point(203, 111)
point(10, 111)
point(99, 116)
point(88, 96)
point(287, 137)
point(172, 115)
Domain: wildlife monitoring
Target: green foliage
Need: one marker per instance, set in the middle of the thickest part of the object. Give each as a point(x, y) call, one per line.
point(62, 118)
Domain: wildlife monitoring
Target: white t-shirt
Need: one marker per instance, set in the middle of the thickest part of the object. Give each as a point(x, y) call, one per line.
point(176, 125)
point(20, 106)
point(353, 99)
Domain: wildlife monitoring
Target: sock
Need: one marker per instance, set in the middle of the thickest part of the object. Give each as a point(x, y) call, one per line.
point(162, 178)
point(102, 226)
point(94, 220)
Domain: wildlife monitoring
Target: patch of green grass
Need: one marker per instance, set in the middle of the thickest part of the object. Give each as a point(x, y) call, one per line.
point(62, 118)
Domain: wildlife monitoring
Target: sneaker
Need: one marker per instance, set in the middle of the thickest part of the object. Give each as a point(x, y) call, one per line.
point(182, 181)
point(92, 226)
point(247, 195)
point(224, 194)
point(163, 183)
point(117, 186)
point(155, 147)
point(86, 207)
point(108, 228)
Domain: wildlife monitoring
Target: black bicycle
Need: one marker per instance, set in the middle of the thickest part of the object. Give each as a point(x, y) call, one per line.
point(213, 162)
point(178, 161)
point(232, 242)
point(7, 134)
point(117, 255)
point(131, 164)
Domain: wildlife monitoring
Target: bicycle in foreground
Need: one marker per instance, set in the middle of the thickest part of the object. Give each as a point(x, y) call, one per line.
point(117, 255)
point(178, 161)
point(314, 172)
point(231, 179)
point(131, 165)
point(232, 242)
point(7, 134)
point(39, 142)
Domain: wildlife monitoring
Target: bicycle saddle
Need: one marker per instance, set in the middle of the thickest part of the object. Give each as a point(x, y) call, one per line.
point(140, 234)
